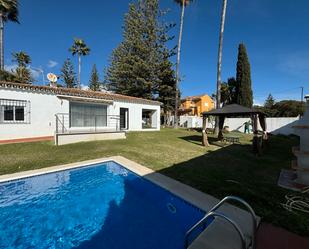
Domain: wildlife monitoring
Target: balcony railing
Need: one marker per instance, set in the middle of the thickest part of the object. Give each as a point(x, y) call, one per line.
point(86, 123)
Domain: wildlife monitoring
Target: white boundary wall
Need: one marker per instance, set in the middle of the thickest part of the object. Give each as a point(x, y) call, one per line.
point(274, 125)
point(190, 121)
point(44, 106)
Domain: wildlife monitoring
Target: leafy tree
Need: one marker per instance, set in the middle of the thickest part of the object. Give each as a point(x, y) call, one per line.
point(23, 75)
point(289, 108)
point(183, 4)
point(22, 72)
point(7, 76)
point(80, 48)
point(229, 92)
point(268, 107)
point(94, 83)
point(166, 85)
point(8, 12)
point(135, 63)
point(132, 64)
point(269, 102)
point(243, 77)
point(284, 108)
point(67, 74)
point(167, 89)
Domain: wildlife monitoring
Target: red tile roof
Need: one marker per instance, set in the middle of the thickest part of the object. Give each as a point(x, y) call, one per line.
point(77, 92)
point(195, 97)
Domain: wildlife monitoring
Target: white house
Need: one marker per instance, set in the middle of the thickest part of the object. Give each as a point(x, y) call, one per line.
point(30, 112)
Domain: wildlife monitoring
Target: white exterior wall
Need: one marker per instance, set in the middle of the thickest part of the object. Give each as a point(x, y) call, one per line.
point(274, 125)
point(135, 114)
point(44, 106)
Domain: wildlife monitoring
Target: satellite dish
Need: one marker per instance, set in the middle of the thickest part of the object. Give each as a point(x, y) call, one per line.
point(52, 77)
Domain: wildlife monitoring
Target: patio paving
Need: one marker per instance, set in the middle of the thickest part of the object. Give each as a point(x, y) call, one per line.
point(271, 237)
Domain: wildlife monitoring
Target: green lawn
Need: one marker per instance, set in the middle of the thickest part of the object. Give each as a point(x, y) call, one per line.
point(218, 170)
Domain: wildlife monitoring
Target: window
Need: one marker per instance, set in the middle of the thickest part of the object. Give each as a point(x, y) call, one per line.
point(8, 113)
point(148, 119)
point(14, 111)
point(19, 113)
point(88, 115)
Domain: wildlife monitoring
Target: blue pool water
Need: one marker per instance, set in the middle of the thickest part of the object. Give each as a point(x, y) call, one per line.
point(100, 206)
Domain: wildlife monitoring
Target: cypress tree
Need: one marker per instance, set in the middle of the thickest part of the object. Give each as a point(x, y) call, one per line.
point(94, 83)
point(133, 67)
point(68, 75)
point(243, 78)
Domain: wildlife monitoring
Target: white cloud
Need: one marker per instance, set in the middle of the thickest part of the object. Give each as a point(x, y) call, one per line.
point(84, 87)
point(257, 102)
point(36, 73)
point(52, 63)
point(10, 68)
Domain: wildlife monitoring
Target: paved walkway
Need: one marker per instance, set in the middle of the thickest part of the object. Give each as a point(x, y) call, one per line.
point(27, 140)
point(271, 237)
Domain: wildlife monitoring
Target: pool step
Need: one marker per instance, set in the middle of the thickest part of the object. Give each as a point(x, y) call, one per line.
point(231, 228)
point(219, 235)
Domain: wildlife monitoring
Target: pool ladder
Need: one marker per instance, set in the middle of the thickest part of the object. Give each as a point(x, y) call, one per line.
point(213, 214)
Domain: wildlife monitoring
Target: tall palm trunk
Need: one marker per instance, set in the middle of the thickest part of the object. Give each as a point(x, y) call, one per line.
point(178, 63)
point(218, 99)
point(1, 42)
point(79, 69)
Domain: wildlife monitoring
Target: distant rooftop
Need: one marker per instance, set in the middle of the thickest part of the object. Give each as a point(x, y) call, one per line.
point(195, 96)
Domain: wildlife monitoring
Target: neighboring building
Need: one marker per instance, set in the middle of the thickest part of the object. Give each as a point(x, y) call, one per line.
point(42, 112)
point(196, 105)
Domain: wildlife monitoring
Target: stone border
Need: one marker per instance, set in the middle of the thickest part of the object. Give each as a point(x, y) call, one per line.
point(189, 194)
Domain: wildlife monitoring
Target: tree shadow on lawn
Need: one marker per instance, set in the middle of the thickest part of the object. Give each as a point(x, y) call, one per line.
point(214, 167)
point(197, 139)
point(235, 170)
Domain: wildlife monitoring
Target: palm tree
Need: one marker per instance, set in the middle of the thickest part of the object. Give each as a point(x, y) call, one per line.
point(22, 72)
point(22, 58)
point(80, 48)
point(8, 12)
point(183, 4)
point(223, 13)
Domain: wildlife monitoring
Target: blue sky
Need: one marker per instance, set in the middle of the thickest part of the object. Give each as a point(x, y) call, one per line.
point(275, 33)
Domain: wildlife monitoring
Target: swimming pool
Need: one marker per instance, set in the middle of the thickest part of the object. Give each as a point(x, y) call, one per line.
point(98, 206)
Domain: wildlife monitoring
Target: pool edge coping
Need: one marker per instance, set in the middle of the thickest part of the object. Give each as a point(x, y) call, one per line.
point(194, 196)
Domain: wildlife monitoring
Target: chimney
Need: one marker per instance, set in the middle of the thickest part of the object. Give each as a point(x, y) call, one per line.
point(53, 84)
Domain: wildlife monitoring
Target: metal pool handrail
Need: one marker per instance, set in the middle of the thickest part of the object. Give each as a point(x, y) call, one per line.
point(218, 205)
point(233, 223)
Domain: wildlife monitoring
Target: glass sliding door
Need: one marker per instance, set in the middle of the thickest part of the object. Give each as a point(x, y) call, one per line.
point(88, 115)
point(124, 118)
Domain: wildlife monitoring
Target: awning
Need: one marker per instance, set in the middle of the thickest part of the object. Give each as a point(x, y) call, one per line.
point(88, 100)
point(232, 110)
